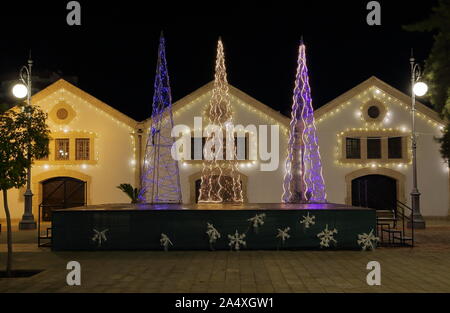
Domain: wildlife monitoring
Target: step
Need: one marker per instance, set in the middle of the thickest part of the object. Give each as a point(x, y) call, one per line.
point(403, 238)
point(384, 212)
point(385, 218)
point(392, 231)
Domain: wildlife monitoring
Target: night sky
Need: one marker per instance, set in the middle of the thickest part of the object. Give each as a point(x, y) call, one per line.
point(113, 52)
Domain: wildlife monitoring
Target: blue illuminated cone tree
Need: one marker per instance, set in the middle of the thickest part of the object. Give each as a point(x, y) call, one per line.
point(303, 180)
point(160, 182)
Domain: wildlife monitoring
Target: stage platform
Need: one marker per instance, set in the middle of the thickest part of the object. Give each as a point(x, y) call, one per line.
point(139, 226)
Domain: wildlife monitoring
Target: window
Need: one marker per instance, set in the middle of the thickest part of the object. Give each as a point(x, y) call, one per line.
point(82, 149)
point(61, 149)
point(241, 148)
point(373, 148)
point(197, 144)
point(395, 147)
point(373, 112)
point(240, 143)
point(353, 148)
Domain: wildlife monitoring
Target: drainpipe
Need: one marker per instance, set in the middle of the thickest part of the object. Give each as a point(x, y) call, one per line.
point(139, 163)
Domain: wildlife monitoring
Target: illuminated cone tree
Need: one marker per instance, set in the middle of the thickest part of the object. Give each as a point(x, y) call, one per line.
point(220, 181)
point(303, 181)
point(160, 182)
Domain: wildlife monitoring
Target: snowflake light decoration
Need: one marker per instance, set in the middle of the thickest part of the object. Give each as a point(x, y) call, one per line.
point(257, 220)
point(327, 236)
point(283, 234)
point(236, 241)
point(368, 241)
point(99, 236)
point(212, 232)
point(308, 220)
point(165, 241)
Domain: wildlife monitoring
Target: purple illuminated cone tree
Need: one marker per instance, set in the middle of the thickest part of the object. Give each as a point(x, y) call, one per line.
point(160, 181)
point(303, 180)
point(220, 181)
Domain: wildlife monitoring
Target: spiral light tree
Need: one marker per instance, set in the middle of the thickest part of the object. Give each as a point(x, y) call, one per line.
point(303, 180)
point(220, 181)
point(160, 181)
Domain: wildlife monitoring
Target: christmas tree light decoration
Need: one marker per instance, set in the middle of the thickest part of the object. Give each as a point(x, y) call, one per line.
point(220, 181)
point(303, 180)
point(160, 182)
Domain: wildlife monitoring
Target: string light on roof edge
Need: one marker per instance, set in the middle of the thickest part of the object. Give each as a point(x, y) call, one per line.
point(303, 180)
point(220, 180)
point(160, 181)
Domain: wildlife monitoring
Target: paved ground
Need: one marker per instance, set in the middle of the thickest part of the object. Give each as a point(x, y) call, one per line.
point(426, 268)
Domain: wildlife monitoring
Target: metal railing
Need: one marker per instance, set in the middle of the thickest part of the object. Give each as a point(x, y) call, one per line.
point(48, 232)
point(406, 216)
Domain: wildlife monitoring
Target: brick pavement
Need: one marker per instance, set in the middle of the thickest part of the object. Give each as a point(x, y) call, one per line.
point(422, 269)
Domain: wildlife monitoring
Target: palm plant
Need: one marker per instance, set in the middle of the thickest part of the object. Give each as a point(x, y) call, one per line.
point(131, 192)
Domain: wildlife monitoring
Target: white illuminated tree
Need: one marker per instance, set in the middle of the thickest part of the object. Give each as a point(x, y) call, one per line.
point(220, 181)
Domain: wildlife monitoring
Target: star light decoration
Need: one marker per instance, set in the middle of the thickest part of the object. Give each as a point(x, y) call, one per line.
point(220, 181)
point(99, 236)
point(160, 181)
point(326, 237)
point(165, 241)
point(367, 241)
point(236, 241)
point(283, 234)
point(212, 232)
point(308, 220)
point(303, 180)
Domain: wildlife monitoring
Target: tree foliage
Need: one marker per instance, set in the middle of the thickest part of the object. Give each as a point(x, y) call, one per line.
point(445, 144)
point(24, 136)
point(437, 66)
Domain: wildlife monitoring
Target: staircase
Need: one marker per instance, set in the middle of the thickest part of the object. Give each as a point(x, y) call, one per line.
point(391, 226)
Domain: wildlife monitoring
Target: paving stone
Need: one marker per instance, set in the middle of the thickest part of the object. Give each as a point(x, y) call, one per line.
point(422, 269)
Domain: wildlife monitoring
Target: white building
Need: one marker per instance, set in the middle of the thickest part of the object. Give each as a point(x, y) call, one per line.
point(364, 138)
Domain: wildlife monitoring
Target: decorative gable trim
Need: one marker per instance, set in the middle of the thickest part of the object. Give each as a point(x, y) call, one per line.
point(375, 82)
point(62, 84)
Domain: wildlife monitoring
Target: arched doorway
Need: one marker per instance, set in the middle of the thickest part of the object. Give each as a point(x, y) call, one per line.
point(227, 196)
point(62, 193)
point(375, 191)
point(195, 182)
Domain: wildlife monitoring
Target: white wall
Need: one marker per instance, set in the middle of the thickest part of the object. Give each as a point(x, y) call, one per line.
point(432, 172)
point(263, 186)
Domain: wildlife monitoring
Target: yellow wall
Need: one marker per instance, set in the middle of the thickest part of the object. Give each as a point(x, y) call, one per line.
point(112, 147)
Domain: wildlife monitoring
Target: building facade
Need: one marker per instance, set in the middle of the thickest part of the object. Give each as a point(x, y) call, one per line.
point(364, 138)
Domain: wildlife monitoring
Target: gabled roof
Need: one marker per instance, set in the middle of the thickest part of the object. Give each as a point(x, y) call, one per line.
point(62, 84)
point(233, 92)
point(375, 82)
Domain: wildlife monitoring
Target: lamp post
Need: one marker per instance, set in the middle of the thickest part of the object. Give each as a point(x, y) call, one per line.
point(417, 88)
point(22, 90)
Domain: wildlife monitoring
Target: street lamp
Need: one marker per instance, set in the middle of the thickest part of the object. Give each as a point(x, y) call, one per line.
point(22, 90)
point(417, 89)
